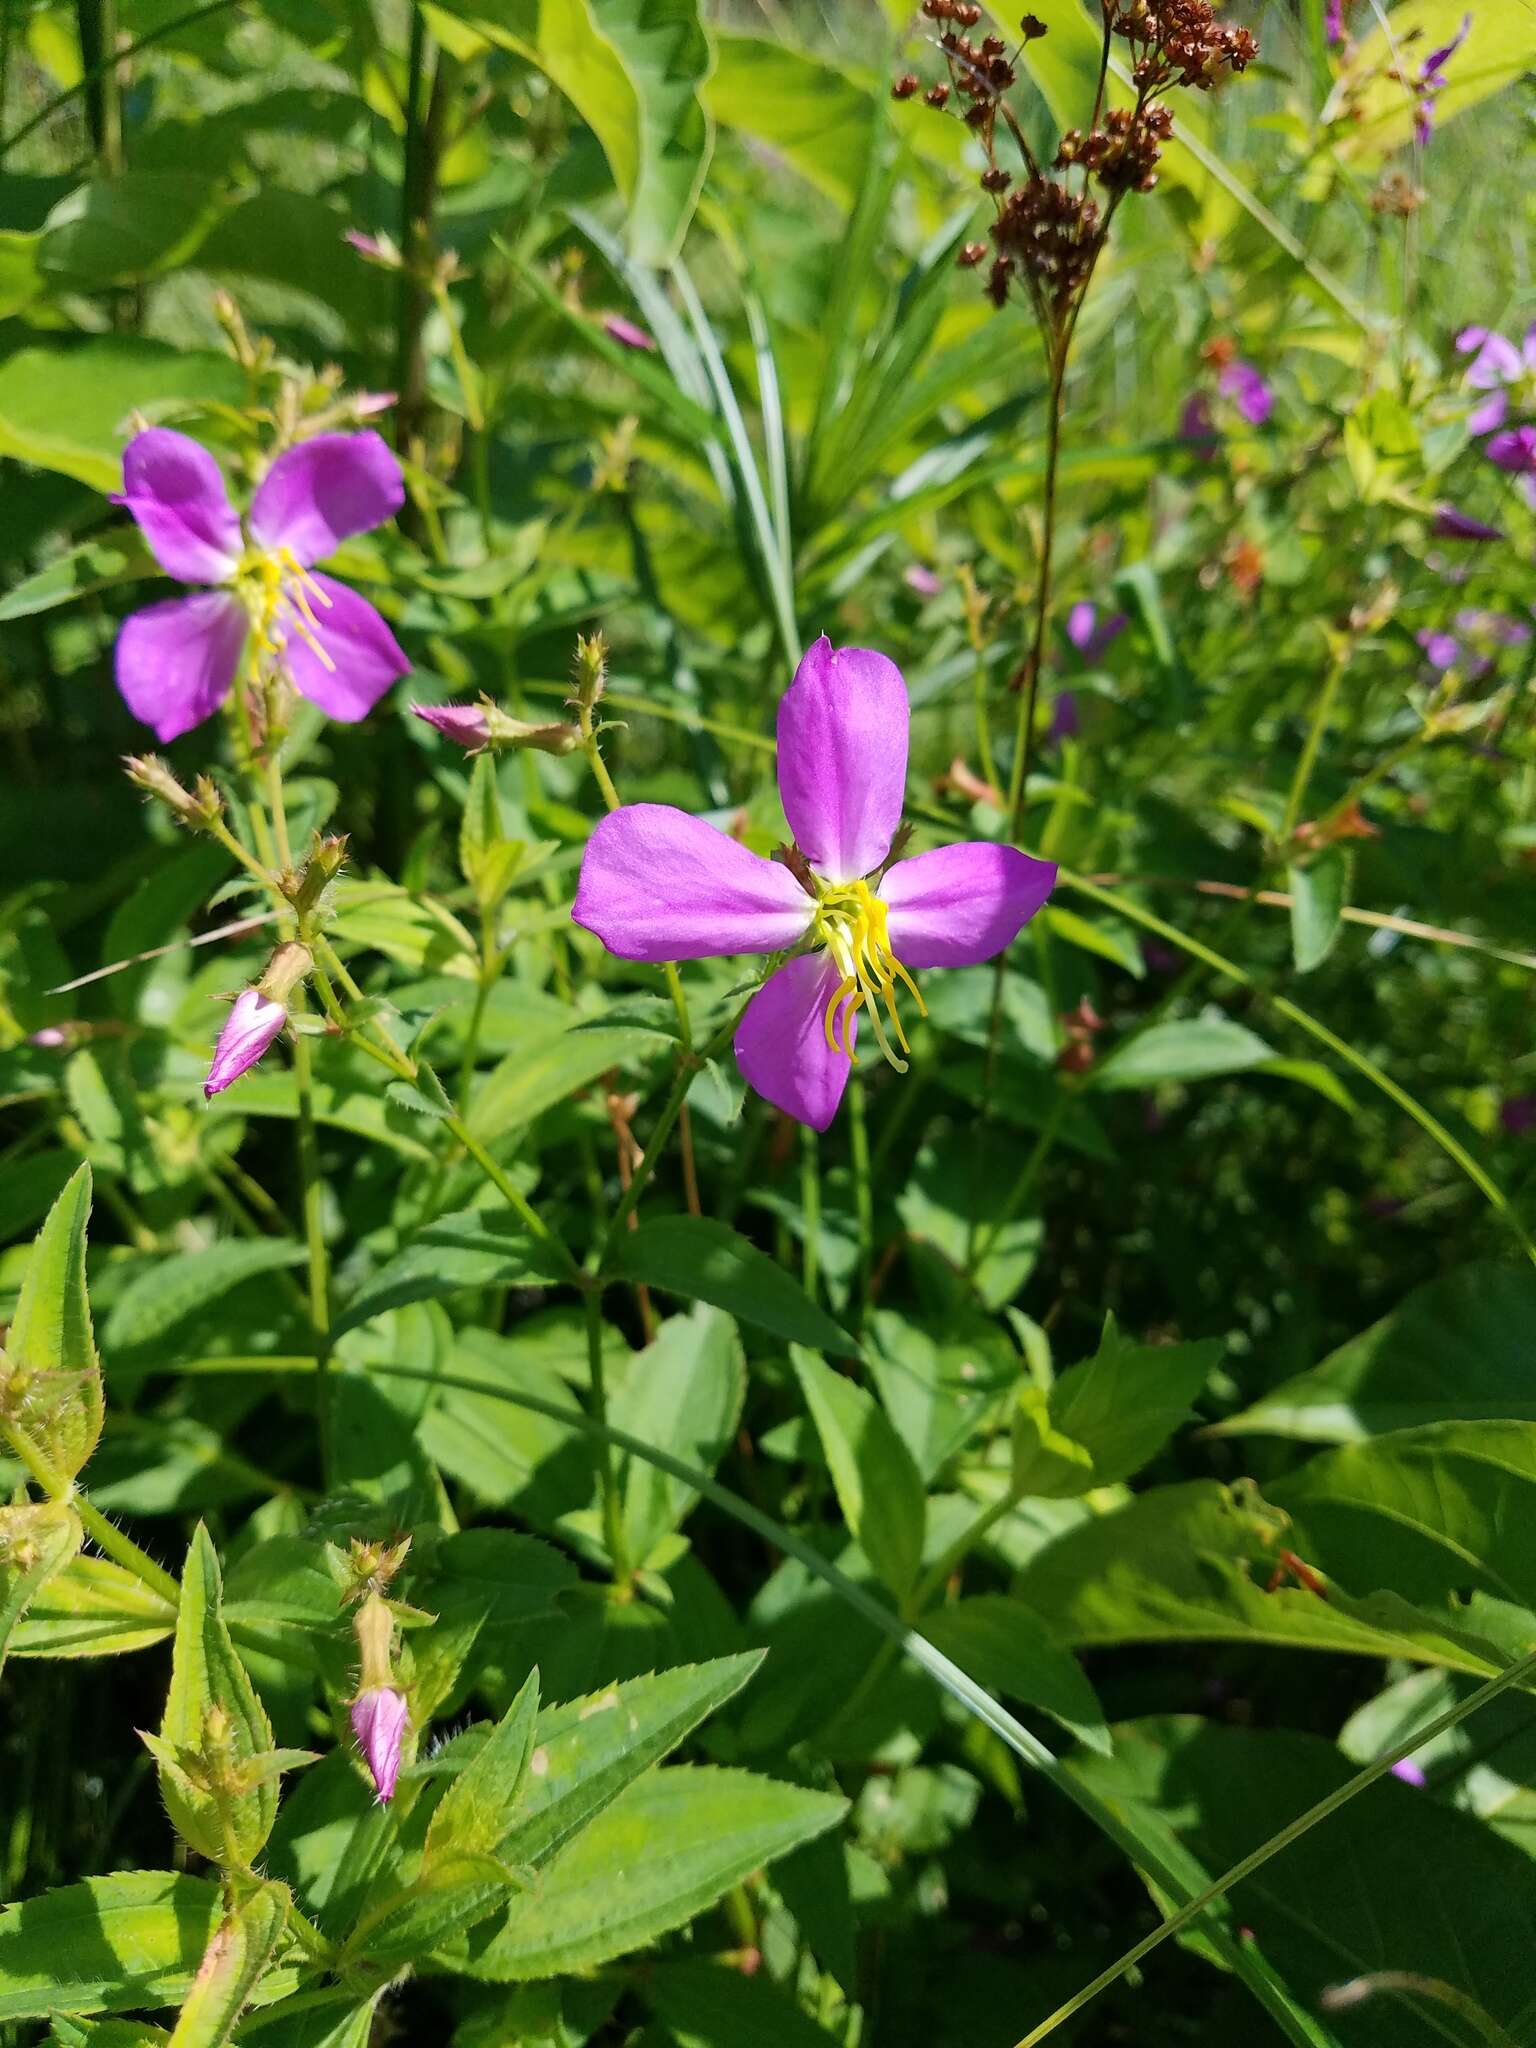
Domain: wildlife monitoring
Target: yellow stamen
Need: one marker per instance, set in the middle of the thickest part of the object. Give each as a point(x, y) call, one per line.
point(851, 922)
point(278, 591)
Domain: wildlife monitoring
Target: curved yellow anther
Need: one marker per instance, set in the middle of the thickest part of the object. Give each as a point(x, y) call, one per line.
point(852, 923)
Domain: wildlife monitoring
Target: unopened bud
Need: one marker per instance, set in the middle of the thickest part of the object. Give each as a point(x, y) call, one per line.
point(379, 1718)
point(467, 725)
point(149, 773)
point(376, 249)
point(591, 669)
point(249, 1030)
point(626, 333)
point(326, 857)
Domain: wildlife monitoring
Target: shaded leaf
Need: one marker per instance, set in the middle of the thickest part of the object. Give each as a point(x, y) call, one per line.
point(708, 1261)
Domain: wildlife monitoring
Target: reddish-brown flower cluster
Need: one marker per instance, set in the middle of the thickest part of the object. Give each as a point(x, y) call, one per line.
point(1051, 234)
point(1123, 154)
point(1180, 42)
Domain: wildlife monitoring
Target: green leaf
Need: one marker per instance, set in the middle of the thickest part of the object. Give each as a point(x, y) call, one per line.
point(1123, 1404)
point(453, 1892)
point(80, 572)
point(682, 1837)
point(1114, 942)
point(1458, 1349)
point(476, 1812)
point(1318, 893)
point(665, 51)
point(1005, 1645)
point(50, 1350)
point(233, 1964)
point(350, 1105)
point(92, 1608)
point(527, 1083)
point(808, 111)
point(472, 1248)
point(1498, 50)
point(1381, 443)
point(587, 1751)
point(122, 229)
point(37, 1540)
point(708, 1261)
point(708, 2004)
point(683, 1394)
point(480, 827)
point(1462, 1903)
point(69, 408)
point(207, 1681)
point(133, 1939)
point(1191, 1563)
point(879, 1488)
point(959, 1201)
point(20, 278)
point(165, 1293)
point(1193, 1049)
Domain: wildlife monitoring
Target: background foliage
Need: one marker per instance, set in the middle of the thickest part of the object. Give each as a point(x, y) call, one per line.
point(1027, 1499)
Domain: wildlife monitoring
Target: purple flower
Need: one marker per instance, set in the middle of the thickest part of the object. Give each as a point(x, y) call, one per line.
point(626, 333)
point(1517, 1115)
point(1410, 1773)
point(249, 1029)
point(1334, 21)
point(1497, 365)
point(1514, 450)
point(1197, 427)
point(1451, 524)
point(1090, 634)
point(1441, 650)
point(1065, 722)
point(1431, 82)
point(465, 724)
point(1248, 391)
point(379, 1716)
point(177, 661)
point(925, 581)
point(657, 884)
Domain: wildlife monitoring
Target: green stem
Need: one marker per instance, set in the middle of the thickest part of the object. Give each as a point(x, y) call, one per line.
point(463, 368)
point(107, 1537)
point(1304, 766)
point(810, 1210)
point(646, 1166)
point(863, 1197)
point(314, 1240)
point(62, 99)
point(613, 1505)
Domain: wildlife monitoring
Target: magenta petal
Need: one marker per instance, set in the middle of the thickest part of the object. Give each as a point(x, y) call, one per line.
point(379, 1717)
point(1514, 450)
point(175, 661)
point(175, 490)
point(781, 1042)
point(843, 758)
point(657, 884)
point(249, 1029)
point(1497, 360)
point(364, 654)
point(1490, 414)
point(962, 904)
point(316, 495)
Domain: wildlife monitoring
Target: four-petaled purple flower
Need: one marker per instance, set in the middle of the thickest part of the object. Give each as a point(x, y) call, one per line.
point(1248, 391)
point(1334, 21)
point(1091, 635)
point(177, 661)
point(1431, 82)
point(379, 1718)
point(1498, 366)
point(249, 1029)
point(658, 884)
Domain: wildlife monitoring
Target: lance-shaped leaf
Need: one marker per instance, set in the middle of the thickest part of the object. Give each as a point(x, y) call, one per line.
point(36, 1542)
point(52, 1375)
point(475, 1814)
point(451, 1894)
point(234, 1962)
point(879, 1488)
point(92, 1608)
point(214, 1749)
point(130, 1941)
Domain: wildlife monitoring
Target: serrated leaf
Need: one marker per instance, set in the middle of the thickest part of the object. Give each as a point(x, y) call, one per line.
point(130, 1940)
point(704, 1260)
point(480, 830)
point(207, 1675)
point(50, 1350)
point(668, 1847)
point(476, 1812)
point(1124, 1403)
point(236, 1958)
point(879, 1488)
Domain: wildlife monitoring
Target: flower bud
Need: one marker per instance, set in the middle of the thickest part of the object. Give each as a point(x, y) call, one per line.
point(591, 669)
point(465, 724)
point(626, 333)
point(249, 1029)
point(149, 773)
point(377, 249)
point(379, 1718)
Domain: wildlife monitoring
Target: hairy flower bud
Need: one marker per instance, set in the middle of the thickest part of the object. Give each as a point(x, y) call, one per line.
point(467, 725)
point(379, 1718)
point(251, 1026)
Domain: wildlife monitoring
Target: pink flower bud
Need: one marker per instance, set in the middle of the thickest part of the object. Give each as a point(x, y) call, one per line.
point(925, 581)
point(366, 403)
point(1410, 1772)
point(465, 724)
point(379, 1716)
point(249, 1029)
point(626, 333)
point(50, 1038)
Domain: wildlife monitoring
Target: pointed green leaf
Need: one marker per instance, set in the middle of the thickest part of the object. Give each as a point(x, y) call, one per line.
point(1123, 1404)
point(454, 1892)
point(1005, 1646)
point(54, 1394)
point(879, 1488)
point(683, 1394)
point(665, 51)
point(704, 1260)
point(476, 1812)
point(233, 1964)
point(1318, 892)
point(92, 1608)
point(671, 1845)
point(208, 1680)
point(131, 1940)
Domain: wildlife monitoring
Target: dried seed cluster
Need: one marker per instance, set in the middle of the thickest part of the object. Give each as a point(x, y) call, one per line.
point(1180, 42)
